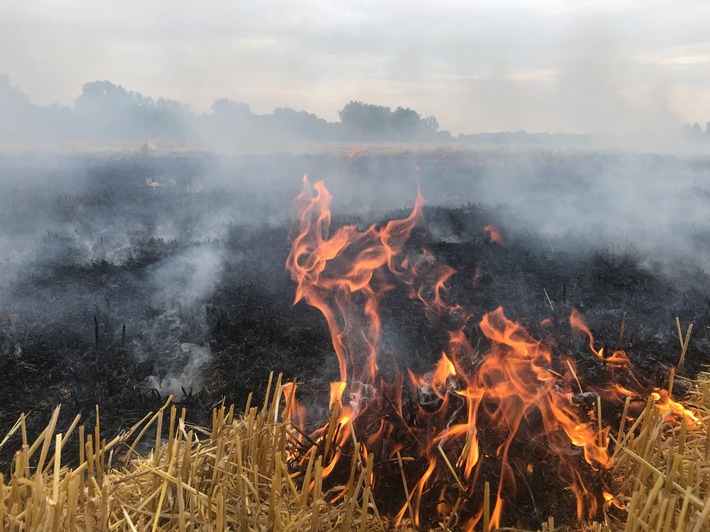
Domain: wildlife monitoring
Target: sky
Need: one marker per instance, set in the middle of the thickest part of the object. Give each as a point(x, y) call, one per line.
point(599, 66)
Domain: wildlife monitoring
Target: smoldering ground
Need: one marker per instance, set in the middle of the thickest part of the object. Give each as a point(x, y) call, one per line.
point(167, 272)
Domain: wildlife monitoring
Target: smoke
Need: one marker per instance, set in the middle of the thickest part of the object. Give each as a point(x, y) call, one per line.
point(189, 277)
point(148, 246)
point(651, 206)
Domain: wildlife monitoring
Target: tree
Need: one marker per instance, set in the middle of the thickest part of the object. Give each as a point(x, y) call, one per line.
point(361, 120)
point(109, 110)
point(299, 124)
point(364, 120)
point(231, 109)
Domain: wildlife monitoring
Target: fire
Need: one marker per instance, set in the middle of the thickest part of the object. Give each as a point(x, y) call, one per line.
point(664, 402)
point(476, 276)
point(340, 275)
point(514, 394)
point(294, 410)
point(611, 500)
point(514, 380)
point(435, 383)
point(617, 358)
point(494, 234)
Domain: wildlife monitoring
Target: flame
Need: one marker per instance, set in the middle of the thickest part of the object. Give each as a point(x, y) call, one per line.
point(612, 500)
point(617, 358)
point(516, 391)
point(335, 273)
point(577, 322)
point(494, 234)
point(444, 369)
point(294, 411)
point(435, 383)
point(416, 496)
point(666, 404)
point(476, 281)
point(336, 393)
point(515, 379)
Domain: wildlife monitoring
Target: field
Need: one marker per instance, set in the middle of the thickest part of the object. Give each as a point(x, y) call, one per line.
point(126, 279)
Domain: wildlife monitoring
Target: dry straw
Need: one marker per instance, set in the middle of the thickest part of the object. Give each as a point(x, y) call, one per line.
point(236, 476)
point(684, 341)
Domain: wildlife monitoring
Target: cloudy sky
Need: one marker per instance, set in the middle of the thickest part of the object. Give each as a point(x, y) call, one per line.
point(557, 65)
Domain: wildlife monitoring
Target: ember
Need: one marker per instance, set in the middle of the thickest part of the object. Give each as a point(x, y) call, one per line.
point(496, 415)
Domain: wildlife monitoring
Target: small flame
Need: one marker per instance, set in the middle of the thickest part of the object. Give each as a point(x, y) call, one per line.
point(476, 281)
point(494, 234)
point(611, 500)
point(437, 382)
point(665, 404)
point(416, 496)
point(294, 411)
point(617, 358)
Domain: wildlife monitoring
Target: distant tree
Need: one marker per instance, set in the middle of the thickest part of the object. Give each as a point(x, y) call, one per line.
point(109, 110)
point(361, 120)
point(405, 123)
point(229, 121)
point(299, 124)
point(367, 120)
point(166, 118)
point(101, 93)
point(229, 108)
point(431, 123)
point(692, 132)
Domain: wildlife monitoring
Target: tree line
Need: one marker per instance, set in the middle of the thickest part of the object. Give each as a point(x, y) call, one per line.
point(105, 110)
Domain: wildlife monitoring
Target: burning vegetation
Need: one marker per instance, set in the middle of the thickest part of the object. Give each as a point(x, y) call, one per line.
point(488, 420)
point(482, 417)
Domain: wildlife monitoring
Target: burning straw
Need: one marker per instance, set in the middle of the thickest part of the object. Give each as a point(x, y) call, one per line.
point(505, 413)
point(239, 475)
point(664, 468)
point(232, 476)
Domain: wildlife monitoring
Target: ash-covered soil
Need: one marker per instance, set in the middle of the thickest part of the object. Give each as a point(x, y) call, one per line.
point(127, 279)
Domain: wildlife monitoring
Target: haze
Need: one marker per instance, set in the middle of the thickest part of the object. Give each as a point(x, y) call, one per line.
point(592, 67)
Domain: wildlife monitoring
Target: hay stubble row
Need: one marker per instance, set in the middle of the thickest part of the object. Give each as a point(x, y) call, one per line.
point(236, 476)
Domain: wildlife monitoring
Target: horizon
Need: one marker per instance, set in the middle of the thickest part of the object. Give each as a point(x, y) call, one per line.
point(158, 102)
point(611, 68)
point(211, 111)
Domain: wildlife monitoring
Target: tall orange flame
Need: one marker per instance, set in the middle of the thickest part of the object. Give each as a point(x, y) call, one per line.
point(338, 275)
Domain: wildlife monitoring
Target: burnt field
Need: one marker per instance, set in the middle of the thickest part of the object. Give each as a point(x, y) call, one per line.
point(126, 279)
